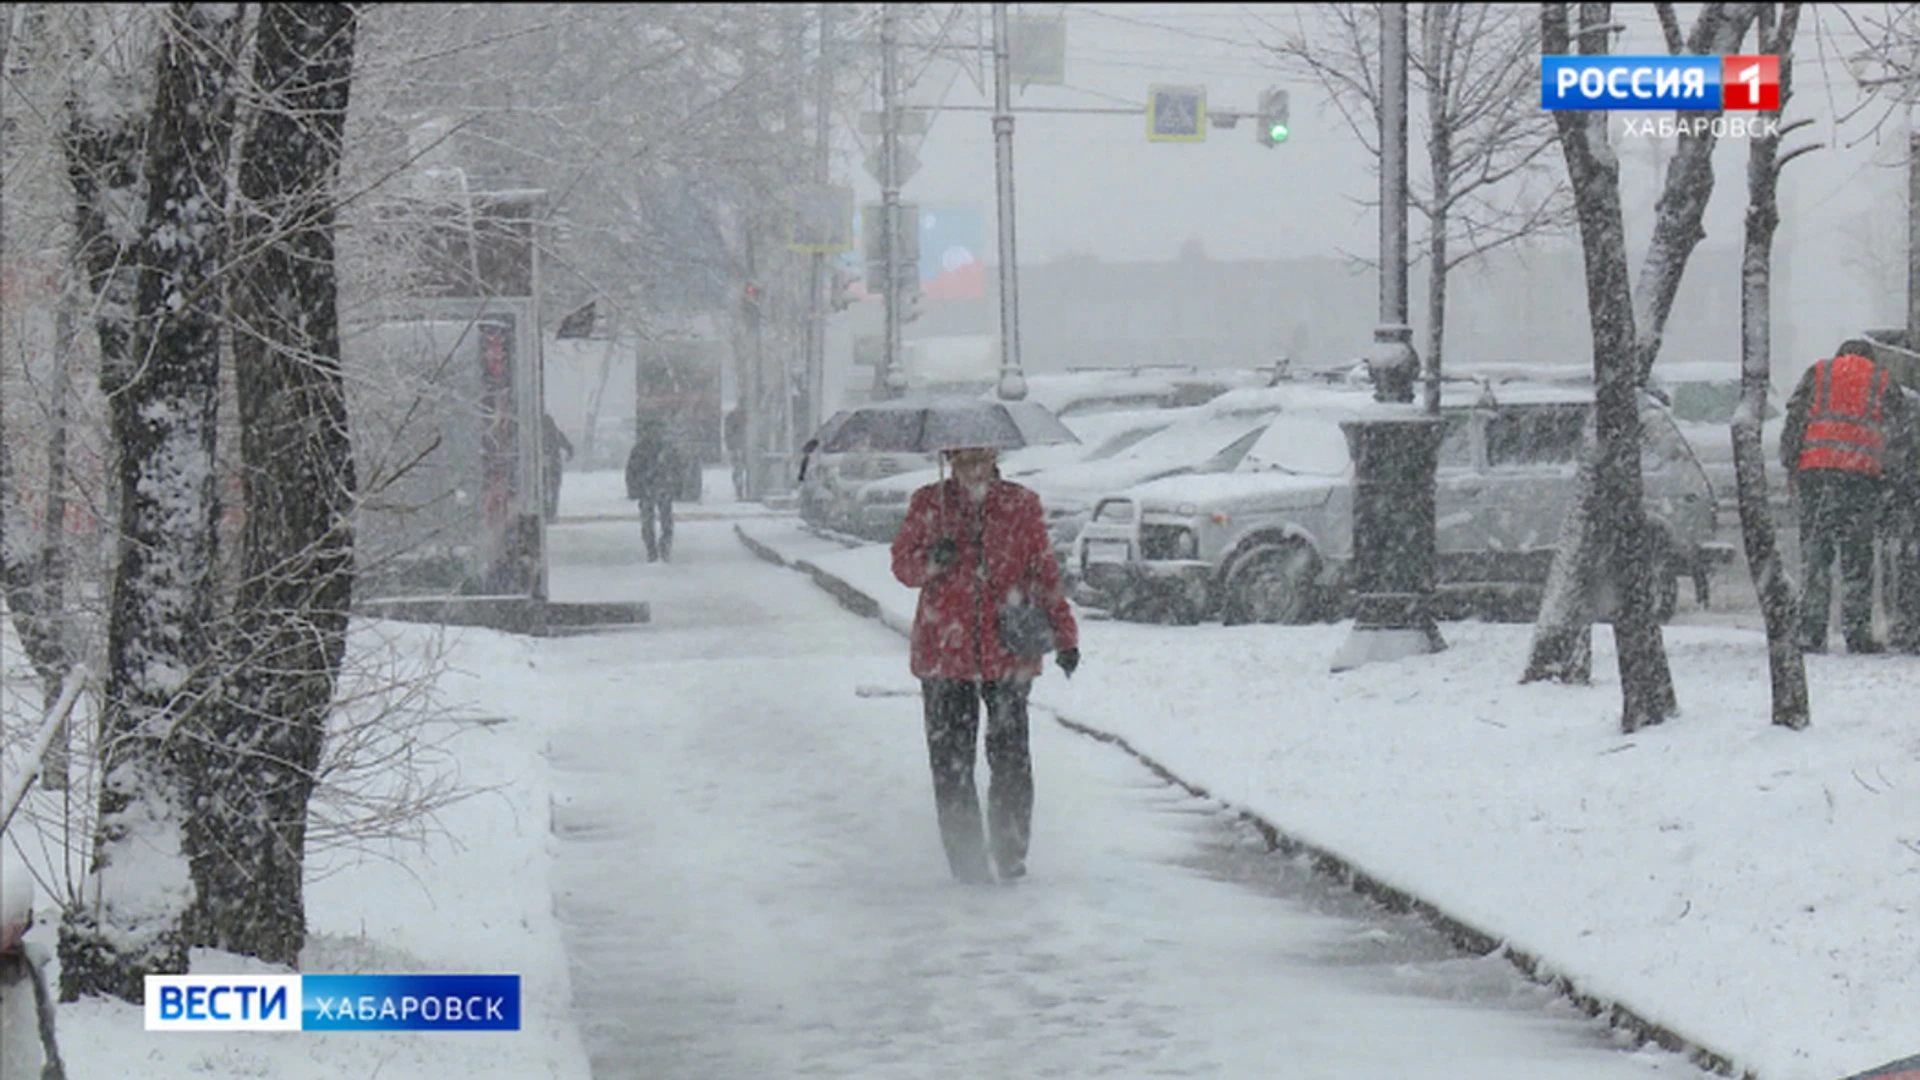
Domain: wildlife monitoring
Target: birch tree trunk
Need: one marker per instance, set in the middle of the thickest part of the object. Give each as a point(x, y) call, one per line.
point(32, 567)
point(289, 628)
point(1562, 638)
point(1786, 667)
point(163, 411)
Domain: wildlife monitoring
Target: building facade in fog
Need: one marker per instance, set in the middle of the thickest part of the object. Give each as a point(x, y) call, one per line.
point(1319, 312)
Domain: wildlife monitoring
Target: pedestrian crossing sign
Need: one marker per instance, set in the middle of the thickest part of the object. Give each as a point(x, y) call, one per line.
point(1176, 113)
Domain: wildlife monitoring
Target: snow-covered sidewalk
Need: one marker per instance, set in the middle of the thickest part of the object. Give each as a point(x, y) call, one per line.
point(1754, 891)
point(601, 495)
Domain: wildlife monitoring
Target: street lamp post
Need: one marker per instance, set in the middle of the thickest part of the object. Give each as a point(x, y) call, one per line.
point(1395, 448)
point(1013, 381)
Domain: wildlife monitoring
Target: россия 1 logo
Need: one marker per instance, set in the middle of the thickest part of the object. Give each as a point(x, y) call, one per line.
point(333, 1003)
point(1683, 83)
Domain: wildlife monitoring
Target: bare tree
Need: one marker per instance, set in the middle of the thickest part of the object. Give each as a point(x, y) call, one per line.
point(1608, 509)
point(164, 411)
point(1562, 639)
point(1785, 664)
point(1489, 145)
point(287, 637)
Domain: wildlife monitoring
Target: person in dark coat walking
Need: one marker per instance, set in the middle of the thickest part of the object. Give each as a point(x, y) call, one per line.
point(1835, 449)
point(653, 478)
point(553, 445)
point(973, 544)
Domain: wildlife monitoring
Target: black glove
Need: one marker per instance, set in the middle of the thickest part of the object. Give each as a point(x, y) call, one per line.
point(944, 552)
point(1068, 659)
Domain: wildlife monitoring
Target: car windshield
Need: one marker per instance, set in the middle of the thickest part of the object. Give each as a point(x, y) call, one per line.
point(1194, 441)
point(1301, 445)
point(1122, 441)
point(1709, 402)
point(1535, 435)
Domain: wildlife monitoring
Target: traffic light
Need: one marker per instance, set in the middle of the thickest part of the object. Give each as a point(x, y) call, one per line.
point(1273, 128)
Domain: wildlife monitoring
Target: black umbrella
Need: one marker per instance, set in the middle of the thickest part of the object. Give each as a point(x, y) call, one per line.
point(926, 427)
point(1904, 1069)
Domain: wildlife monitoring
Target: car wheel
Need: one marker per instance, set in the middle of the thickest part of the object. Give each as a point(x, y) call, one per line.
point(1272, 583)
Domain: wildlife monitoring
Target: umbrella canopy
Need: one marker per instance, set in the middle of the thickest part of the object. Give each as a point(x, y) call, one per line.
point(1904, 1069)
point(925, 427)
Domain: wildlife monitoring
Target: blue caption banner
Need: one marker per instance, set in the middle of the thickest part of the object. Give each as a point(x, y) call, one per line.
point(1631, 82)
point(410, 1003)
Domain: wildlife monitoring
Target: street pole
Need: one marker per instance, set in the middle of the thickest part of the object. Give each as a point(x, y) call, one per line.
point(893, 381)
point(1913, 230)
point(754, 393)
point(1395, 451)
point(817, 273)
point(1395, 362)
point(1013, 382)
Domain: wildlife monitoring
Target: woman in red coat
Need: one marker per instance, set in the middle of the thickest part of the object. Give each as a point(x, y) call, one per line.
point(974, 544)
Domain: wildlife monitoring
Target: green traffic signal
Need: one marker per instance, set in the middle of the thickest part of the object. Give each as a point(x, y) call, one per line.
point(1277, 133)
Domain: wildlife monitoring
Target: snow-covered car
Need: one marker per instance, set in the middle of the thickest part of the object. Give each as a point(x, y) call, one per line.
point(886, 438)
point(1703, 398)
point(845, 460)
point(1071, 394)
point(1263, 531)
point(1068, 492)
point(883, 502)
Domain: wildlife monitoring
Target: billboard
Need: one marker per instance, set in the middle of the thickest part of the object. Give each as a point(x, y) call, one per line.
point(952, 252)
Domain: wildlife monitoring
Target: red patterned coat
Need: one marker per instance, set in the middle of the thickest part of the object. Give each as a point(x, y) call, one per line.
point(956, 628)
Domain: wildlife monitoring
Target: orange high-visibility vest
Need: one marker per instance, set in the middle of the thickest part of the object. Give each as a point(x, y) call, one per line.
point(1845, 423)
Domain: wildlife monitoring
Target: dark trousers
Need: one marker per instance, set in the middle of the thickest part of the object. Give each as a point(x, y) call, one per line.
point(1838, 519)
point(657, 509)
point(953, 729)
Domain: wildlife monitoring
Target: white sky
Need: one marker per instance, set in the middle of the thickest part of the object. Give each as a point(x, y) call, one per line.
point(1092, 184)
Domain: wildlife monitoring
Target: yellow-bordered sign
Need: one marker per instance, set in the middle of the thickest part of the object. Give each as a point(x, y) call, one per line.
point(1176, 113)
point(820, 219)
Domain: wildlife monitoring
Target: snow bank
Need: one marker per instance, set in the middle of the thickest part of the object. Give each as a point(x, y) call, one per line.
point(476, 899)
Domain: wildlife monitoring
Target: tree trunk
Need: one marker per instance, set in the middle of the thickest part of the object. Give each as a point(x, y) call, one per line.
point(162, 414)
point(1617, 513)
point(289, 629)
point(34, 599)
point(55, 767)
point(1786, 666)
point(1562, 633)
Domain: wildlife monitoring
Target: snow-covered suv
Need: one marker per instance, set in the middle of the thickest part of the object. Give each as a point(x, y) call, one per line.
point(1264, 533)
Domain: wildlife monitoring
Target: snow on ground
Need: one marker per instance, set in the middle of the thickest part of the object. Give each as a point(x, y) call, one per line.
point(476, 899)
point(1756, 890)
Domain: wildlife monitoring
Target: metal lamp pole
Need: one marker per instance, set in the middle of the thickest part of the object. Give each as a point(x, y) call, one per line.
point(893, 380)
point(1013, 382)
point(1396, 450)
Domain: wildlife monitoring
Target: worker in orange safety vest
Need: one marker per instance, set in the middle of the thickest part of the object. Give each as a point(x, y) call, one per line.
point(1845, 424)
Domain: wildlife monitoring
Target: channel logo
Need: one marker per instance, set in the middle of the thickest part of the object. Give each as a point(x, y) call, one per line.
point(333, 1003)
point(1684, 83)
